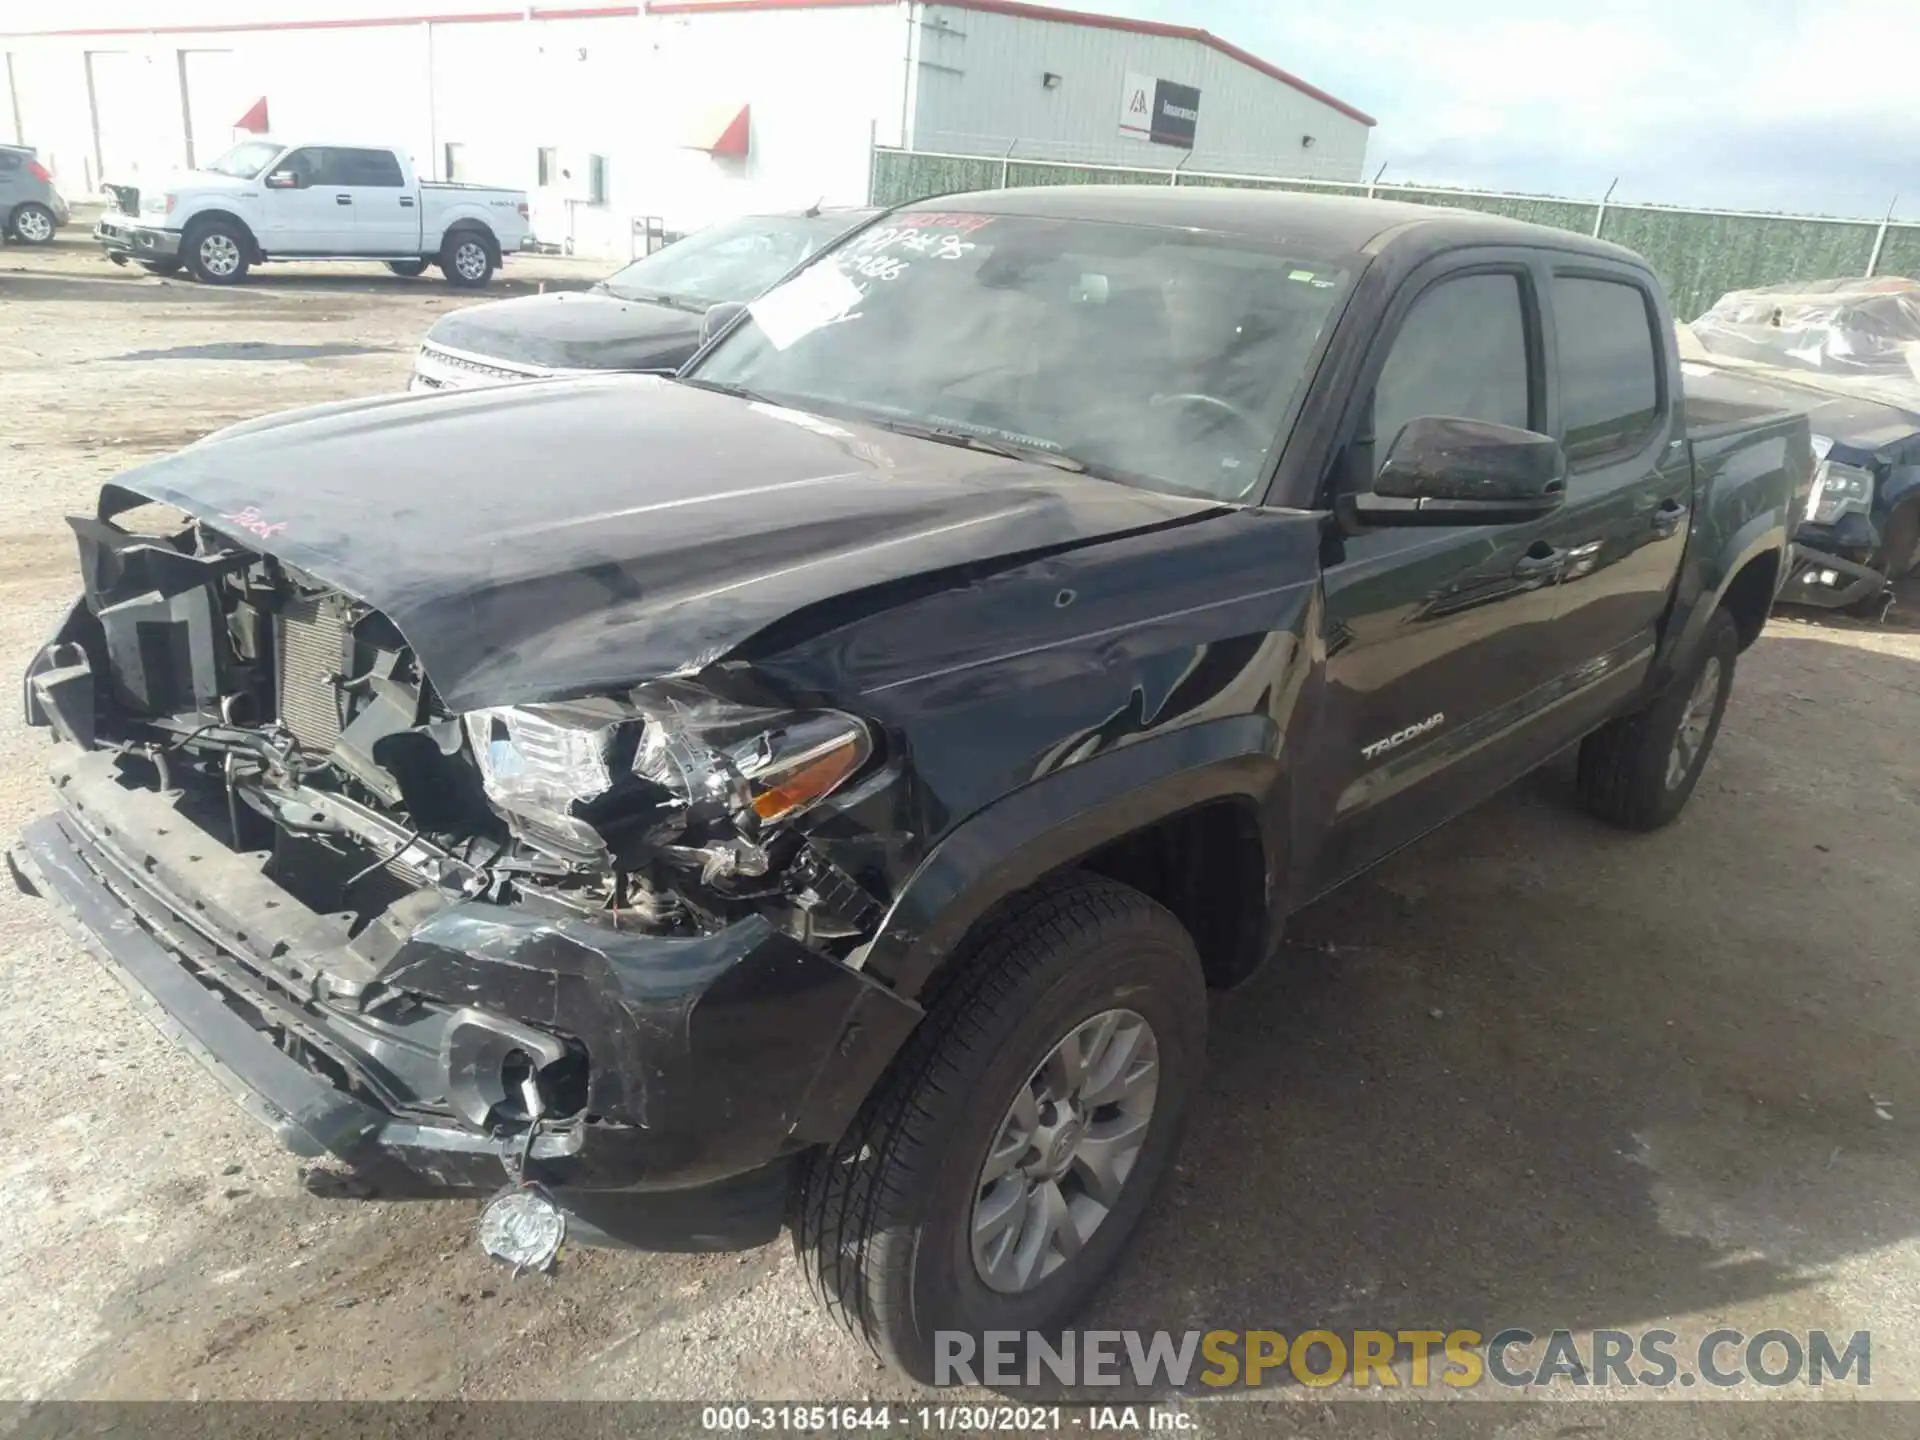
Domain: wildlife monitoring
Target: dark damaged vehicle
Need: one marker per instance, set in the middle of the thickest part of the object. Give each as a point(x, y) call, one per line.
point(828, 783)
point(645, 316)
point(1847, 354)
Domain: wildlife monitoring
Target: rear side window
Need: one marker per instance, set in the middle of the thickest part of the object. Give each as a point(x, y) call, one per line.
point(367, 167)
point(1609, 366)
point(1461, 352)
point(10, 159)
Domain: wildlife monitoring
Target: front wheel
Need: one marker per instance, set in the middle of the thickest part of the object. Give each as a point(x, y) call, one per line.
point(994, 1176)
point(407, 269)
point(33, 224)
point(217, 252)
point(1637, 771)
point(467, 260)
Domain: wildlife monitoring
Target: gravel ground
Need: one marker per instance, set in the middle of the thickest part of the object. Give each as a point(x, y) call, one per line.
point(1531, 1072)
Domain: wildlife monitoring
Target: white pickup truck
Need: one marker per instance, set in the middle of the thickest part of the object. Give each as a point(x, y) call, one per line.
point(269, 200)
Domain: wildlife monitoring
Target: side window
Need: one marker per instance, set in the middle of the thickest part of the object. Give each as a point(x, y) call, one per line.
point(310, 165)
point(368, 167)
point(1462, 352)
point(1609, 370)
point(9, 161)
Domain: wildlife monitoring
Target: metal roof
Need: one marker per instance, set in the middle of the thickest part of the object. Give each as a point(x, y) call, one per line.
point(1023, 10)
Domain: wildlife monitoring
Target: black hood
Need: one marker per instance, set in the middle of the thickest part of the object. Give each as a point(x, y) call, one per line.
point(569, 536)
point(574, 330)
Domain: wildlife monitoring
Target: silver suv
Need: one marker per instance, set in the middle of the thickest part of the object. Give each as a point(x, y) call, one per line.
point(31, 210)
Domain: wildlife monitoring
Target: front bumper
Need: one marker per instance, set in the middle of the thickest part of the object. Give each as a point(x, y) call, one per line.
point(122, 235)
point(711, 1061)
point(1830, 571)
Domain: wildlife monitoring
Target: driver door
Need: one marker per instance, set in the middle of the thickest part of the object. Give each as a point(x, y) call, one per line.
point(1438, 640)
point(310, 218)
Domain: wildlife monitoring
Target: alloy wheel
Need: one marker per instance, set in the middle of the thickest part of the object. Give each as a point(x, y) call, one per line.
point(1064, 1150)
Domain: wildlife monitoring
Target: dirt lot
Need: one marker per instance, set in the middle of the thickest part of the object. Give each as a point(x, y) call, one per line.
point(1531, 1073)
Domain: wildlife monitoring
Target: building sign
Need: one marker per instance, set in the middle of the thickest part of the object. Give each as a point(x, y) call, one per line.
point(1159, 110)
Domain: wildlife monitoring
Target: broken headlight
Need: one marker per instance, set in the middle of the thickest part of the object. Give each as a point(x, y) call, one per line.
point(1839, 490)
point(669, 762)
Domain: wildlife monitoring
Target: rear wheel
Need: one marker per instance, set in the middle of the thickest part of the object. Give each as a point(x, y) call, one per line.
point(33, 224)
point(1637, 771)
point(407, 269)
point(994, 1176)
point(467, 259)
point(217, 252)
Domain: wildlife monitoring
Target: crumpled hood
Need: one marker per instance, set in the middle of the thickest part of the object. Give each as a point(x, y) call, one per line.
point(573, 330)
point(564, 537)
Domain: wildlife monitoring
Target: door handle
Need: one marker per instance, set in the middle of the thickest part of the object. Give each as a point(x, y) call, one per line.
point(1541, 562)
point(406, 202)
point(343, 199)
point(1668, 517)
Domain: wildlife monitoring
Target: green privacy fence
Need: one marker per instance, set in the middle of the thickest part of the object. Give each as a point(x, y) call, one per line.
point(1698, 254)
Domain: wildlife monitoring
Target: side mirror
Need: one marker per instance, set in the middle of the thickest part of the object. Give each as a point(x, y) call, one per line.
point(285, 180)
point(718, 318)
point(1443, 470)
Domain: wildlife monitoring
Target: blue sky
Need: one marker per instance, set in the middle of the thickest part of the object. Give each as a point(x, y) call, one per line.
point(1752, 104)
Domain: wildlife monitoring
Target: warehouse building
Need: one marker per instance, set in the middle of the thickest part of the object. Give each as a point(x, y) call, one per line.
point(670, 113)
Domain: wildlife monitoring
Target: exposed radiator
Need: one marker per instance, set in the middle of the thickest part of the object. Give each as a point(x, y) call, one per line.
point(311, 643)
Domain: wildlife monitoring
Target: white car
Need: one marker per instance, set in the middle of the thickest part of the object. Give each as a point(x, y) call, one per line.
point(269, 200)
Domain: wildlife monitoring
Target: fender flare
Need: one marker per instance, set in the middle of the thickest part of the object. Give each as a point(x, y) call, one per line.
point(1763, 535)
point(200, 217)
point(1902, 482)
point(1065, 816)
point(473, 223)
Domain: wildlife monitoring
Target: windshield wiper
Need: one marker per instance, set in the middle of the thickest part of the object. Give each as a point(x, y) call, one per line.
point(722, 387)
point(656, 297)
point(990, 444)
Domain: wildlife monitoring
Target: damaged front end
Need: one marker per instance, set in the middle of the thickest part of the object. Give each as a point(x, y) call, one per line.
point(602, 943)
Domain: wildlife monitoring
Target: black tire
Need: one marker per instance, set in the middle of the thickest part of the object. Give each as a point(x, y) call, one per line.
point(407, 269)
point(882, 1220)
point(32, 224)
point(469, 258)
point(160, 267)
point(1629, 774)
point(217, 252)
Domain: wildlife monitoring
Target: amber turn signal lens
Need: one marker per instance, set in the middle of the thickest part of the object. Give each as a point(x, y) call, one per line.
point(811, 780)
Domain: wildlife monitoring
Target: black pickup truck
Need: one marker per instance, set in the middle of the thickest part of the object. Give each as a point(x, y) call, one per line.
point(827, 784)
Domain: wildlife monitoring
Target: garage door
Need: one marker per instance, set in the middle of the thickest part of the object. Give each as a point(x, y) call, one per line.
point(217, 95)
point(129, 113)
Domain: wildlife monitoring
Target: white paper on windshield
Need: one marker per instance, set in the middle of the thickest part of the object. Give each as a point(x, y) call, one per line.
point(817, 296)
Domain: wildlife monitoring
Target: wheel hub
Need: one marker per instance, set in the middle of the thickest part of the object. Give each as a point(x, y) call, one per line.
point(1062, 1155)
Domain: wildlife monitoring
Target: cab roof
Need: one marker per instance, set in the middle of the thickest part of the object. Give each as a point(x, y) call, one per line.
point(1331, 223)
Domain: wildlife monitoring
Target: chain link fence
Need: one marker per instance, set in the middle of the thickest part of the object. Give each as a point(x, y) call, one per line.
point(1698, 254)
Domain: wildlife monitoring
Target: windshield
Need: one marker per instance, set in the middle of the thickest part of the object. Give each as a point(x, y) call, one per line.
point(731, 261)
point(245, 160)
point(1156, 356)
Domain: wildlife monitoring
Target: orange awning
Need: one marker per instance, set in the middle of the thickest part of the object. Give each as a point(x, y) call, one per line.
point(724, 130)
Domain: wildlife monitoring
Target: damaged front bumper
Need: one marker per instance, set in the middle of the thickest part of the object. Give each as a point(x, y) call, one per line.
point(698, 1066)
point(124, 238)
point(1830, 577)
